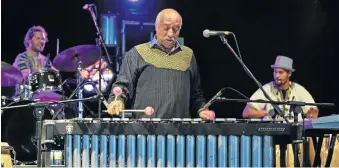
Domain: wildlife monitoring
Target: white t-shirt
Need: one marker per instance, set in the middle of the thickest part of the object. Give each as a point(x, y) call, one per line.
point(296, 92)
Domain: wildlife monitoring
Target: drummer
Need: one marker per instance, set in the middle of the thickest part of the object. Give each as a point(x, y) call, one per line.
point(32, 60)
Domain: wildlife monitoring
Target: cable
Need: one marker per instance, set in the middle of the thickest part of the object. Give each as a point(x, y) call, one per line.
point(236, 43)
point(230, 88)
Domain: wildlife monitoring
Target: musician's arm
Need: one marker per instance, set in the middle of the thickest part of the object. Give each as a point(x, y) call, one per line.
point(21, 63)
point(309, 111)
point(255, 110)
point(250, 112)
point(54, 69)
point(126, 77)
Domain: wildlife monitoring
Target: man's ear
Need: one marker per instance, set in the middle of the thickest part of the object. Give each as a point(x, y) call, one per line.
point(29, 41)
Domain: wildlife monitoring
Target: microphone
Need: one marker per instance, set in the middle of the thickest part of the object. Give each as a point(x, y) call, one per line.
point(87, 6)
point(207, 33)
point(209, 103)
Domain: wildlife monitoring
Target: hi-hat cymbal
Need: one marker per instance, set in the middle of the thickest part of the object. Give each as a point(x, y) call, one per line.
point(68, 59)
point(10, 76)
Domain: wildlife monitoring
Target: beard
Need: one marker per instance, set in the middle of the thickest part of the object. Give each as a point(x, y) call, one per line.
point(279, 82)
point(38, 48)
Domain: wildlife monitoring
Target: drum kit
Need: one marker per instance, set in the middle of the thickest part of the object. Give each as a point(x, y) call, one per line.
point(17, 112)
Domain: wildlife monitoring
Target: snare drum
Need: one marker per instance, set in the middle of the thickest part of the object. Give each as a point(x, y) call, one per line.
point(46, 80)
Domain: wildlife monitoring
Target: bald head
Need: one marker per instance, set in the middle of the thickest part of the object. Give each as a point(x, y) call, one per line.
point(167, 25)
point(168, 14)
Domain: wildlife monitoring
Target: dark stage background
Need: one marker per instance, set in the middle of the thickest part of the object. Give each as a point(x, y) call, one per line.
point(305, 30)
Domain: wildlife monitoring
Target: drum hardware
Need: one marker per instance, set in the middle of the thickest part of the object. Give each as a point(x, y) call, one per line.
point(39, 112)
point(72, 60)
point(4, 100)
point(79, 87)
point(80, 91)
point(100, 72)
point(67, 87)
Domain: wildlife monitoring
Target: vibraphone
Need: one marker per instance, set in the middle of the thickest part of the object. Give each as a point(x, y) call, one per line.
point(166, 143)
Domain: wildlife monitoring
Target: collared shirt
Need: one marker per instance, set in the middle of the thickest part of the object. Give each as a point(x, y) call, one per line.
point(154, 44)
point(296, 92)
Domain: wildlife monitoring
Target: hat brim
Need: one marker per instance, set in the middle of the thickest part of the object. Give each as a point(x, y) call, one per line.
point(286, 68)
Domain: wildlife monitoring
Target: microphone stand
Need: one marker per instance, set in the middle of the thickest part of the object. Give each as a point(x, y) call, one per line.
point(101, 42)
point(100, 62)
point(99, 34)
point(277, 109)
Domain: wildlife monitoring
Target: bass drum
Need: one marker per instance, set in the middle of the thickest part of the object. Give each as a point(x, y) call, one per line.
point(18, 130)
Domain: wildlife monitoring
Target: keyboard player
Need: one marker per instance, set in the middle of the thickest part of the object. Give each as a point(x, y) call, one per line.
point(281, 89)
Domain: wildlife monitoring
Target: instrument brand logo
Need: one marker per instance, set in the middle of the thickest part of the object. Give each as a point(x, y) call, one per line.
point(69, 128)
point(271, 129)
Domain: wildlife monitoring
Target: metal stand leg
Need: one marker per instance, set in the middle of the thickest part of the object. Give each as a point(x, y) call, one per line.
point(283, 148)
point(307, 162)
point(39, 113)
point(330, 150)
point(296, 152)
point(80, 91)
point(318, 144)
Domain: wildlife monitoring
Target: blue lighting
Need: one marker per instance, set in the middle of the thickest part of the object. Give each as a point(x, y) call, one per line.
point(109, 29)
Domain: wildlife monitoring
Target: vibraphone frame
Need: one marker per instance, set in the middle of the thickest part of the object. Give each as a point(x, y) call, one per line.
point(271, 130)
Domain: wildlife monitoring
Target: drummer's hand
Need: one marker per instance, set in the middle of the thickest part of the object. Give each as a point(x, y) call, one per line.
point(312, 113)
point(54, 69)
point(25, 73)
point(115, 107)
point(207, 114)
point(117, 91)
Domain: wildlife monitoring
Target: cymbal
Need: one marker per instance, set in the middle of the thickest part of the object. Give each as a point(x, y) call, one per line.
point(10, 76)
point(68, 59)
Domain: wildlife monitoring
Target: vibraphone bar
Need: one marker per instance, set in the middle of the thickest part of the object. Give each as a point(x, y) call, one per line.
point(175, 142)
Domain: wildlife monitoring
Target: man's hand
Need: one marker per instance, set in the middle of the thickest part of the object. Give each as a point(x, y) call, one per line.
point(117, 91)
point(115, 107)
point(207, 115)
point(312, 113)
point(149, 110)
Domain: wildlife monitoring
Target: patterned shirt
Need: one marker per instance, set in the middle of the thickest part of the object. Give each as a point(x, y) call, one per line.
point(23, 62)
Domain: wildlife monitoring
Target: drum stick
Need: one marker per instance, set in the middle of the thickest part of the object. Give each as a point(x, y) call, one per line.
point(57, 49)
point(133, 110)
point(130, 110)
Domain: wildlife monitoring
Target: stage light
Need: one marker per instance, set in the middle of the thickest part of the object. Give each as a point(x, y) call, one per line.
point(88, 88)
point(109, 26)
point(91, 73)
